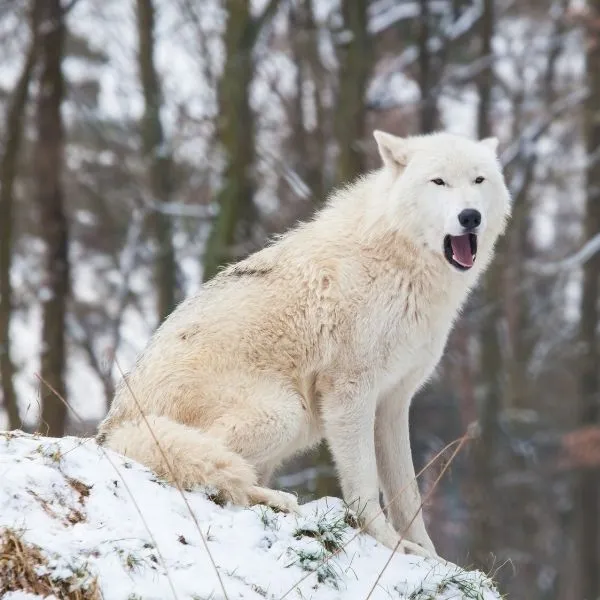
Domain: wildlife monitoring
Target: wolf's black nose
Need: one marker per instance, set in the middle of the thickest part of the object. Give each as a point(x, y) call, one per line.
point(469, 218)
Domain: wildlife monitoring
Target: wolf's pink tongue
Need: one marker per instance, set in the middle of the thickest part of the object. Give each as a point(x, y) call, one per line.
point(461, 248)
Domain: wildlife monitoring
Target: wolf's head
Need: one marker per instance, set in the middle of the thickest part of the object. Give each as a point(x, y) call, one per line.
point(445, 192)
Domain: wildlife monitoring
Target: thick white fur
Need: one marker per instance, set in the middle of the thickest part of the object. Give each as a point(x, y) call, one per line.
point(326, 333)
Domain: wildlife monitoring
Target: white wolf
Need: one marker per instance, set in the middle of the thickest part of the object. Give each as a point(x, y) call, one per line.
point(326, 333)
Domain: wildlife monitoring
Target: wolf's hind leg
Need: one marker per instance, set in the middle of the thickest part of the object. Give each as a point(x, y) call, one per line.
point(265, 474)
point(263, 424)
point(265, 427)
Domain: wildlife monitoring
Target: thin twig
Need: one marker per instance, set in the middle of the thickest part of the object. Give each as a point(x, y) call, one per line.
point(363, 528)
point(535, 131)
point(174, 478)
point(127, 488)
point(463, 440)
point(579, 258)
point(69, 7)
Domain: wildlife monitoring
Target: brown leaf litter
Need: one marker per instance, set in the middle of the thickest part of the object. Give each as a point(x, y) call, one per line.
point(23, 567)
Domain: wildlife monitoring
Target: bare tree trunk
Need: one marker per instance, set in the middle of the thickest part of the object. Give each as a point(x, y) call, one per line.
point(8, 173)
point(309, 147)
point(428, 105)
point(556, 47)
point(158, 160)
point(589, 485)
point(522, 328)
point(486, 77)
point(236, 130)
point(49, 165)
point(236, 135)
point(356, 59)
point(491, 359)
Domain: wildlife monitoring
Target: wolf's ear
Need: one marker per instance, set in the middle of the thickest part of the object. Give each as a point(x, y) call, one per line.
point(491, 143)
point(393, 149)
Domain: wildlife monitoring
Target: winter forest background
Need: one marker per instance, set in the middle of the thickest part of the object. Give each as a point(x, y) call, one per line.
point(145, 143)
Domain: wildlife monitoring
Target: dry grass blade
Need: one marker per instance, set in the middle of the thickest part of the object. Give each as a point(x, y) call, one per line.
point(127, 488)
point(462, 442)
point(363, 528)
point(172, 472)
point(23, 568)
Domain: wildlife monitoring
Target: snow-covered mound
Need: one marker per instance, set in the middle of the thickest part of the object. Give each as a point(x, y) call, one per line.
point(77, 521)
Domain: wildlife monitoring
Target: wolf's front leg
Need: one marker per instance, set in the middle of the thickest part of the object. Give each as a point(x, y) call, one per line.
point(349, 419)
point(396, 470)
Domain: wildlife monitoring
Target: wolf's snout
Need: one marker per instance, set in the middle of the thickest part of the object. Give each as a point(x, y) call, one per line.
point(469, 218)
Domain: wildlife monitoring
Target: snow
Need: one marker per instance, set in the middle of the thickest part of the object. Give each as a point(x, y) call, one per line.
point(94, 514)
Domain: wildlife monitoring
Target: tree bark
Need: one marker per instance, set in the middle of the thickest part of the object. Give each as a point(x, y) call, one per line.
point(428, 106)
point(356, 59)
point(49, 166)
point(309, 147)
point(523, 329)
point(490, 402)
point(158, 160)
point(486, 77)
point(235, 129)
point(8, 172)
point(589, 485)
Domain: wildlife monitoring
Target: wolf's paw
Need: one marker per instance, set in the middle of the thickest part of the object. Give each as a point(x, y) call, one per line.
point(408, 547)
point(388, 537)
point(276, 499)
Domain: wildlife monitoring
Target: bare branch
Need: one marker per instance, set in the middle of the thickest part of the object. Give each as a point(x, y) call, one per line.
point(127, 262)
point(69, 7)
point(267, 14)
point(523, 145)
point(585, 253)
point(190, 13)
point(297, 184)
point(9, 158)
point(177, 209)
point(452, 33)
point(261, 21)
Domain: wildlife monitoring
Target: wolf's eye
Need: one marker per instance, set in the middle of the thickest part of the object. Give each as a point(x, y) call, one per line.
point(438, 181)
point(479, 179)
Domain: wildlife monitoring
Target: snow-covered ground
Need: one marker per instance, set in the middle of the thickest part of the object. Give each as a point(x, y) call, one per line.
point(92, 520)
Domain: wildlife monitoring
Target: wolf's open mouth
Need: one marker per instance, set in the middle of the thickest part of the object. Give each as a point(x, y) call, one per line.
point(460, 250)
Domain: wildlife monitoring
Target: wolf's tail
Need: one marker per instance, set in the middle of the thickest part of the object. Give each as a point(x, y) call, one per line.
point(184, 455)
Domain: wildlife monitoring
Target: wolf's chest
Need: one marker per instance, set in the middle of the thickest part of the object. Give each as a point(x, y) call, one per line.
point(406, 349)
point(410, 355)
point(404, 330)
